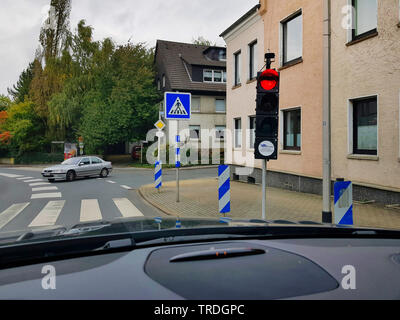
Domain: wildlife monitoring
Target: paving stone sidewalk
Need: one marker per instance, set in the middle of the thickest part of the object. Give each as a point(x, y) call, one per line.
point(199, 198)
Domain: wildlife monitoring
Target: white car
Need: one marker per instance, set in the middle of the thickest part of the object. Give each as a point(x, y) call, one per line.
point(78, 167)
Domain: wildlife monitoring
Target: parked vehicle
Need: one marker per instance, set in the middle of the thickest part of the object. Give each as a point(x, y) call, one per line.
point(72, 168)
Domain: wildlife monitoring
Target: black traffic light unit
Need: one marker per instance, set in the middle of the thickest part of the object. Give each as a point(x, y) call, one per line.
point(267, 115)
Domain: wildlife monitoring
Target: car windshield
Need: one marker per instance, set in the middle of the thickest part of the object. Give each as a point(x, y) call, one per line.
point(73, 161)
point(250, 113)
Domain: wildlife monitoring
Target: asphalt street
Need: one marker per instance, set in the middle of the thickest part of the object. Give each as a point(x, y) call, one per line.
point(27, 200)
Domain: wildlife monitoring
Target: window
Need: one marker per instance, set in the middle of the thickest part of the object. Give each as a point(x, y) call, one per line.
point(194, 132)
point(220, 132)
point(163, 81)
point(252, 126)
point(365, 131)
point(214, 76)
point(220, 105)
point(366, 17)
point(222, 55)
point(196, 104)
point(85, 161)
point(96, 161)
point(252, 60)
point(292, 130)
point(158, 84)
point(238, 133)
point(237, 68)
point(292, 38)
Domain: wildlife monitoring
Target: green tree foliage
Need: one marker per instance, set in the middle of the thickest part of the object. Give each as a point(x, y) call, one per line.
point(5, 102)
point(202, 41)
point(25, 128)
point(21, 89)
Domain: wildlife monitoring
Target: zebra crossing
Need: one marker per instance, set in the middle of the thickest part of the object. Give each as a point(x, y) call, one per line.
point(50, 213)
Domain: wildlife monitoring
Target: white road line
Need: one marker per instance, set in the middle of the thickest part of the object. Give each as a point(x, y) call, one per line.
point(127, 208)
point(126, 187)
point(90, 210)
point(44, 189)
point(109, 181)
point(24, 178)
point(9, 175)
point(46, 195)
point(33, 180)
point(7, 215)
point(49, 215)
point(39, 184)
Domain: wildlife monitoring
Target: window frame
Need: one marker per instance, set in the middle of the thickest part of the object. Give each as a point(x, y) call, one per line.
point(213, 71)
point(237, 74)
point(283, 24)
point(253, 59)
point(354, 36)
point(252, 132)
point(236, 145)
point(216, 99)
point(224, 132)
point(194, 110)
point(353, 123)
point(190, 131)
point(285, 147)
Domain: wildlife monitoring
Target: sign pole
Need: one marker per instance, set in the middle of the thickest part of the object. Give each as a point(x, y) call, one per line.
point(177, 160)
point(264, 190)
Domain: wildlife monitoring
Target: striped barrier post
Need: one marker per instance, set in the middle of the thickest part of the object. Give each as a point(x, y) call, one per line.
point(343, 199)
point(178, 224)
point(224, 192)
point(158, 220)
point(178, 152)
point(225, 220)
point(158, 175)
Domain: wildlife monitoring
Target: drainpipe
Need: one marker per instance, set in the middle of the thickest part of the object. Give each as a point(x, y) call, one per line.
point(326, 125)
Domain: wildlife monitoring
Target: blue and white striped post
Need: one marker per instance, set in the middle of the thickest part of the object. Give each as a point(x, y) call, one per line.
point(158, 175)
point(224, 189)
point(343, 199)
point(158, 220)
point(178, 224)
point(177, 161)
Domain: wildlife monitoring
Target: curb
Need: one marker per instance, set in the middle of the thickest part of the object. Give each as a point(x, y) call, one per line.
point(153, 204)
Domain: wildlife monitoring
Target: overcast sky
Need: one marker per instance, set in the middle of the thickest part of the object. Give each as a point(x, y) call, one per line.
point(140, 20)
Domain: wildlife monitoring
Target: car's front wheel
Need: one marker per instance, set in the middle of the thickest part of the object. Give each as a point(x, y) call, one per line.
point(71, 176)
point(104, 173)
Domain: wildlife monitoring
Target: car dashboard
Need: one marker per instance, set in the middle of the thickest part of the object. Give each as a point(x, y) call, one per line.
point(220, 270)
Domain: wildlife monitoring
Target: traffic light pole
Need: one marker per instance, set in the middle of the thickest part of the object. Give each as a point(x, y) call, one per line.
point(264, 190)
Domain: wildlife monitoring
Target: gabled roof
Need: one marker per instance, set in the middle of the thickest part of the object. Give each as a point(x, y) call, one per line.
point(241, 19)
point(178, 59)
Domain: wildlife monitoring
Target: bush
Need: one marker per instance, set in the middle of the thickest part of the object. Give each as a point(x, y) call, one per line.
point(39, 158)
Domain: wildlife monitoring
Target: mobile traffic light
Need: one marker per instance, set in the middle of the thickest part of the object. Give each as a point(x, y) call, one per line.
point(267, 115)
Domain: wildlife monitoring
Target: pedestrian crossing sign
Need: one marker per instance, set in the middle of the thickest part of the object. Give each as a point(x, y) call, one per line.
point(177, 106)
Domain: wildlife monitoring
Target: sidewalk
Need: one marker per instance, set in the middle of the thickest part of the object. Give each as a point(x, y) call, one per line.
point(199, 198)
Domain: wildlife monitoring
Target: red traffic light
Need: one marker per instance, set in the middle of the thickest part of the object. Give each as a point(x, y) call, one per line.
point(268, 80)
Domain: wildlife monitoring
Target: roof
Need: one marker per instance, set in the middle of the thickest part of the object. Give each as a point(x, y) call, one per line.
point(178, 58)
point(241, 19)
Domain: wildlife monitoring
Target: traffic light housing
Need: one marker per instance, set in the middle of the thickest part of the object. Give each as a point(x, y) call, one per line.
point(267, 115)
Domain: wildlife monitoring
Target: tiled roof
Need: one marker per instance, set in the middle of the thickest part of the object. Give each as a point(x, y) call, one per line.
point(178, 58)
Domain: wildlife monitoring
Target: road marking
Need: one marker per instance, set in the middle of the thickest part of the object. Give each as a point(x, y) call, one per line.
point(34, 180)
point(127, 208)
point(39, 184)
point(7, 215)
point(46, 195)
point(126, 187)
point(9, 175)
point(109, 181)
point(44, 189)
point(24, 178)
point(49, 215)
point(90, 210)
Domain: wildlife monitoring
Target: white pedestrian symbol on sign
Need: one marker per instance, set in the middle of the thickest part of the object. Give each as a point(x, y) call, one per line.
point(178, 108)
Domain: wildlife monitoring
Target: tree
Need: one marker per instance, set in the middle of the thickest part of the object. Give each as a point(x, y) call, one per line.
point(202, 41)
point(24, 128)
point(5, 102)
point(21, 89)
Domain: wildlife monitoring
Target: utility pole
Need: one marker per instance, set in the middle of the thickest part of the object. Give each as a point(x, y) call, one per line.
point(326, 125)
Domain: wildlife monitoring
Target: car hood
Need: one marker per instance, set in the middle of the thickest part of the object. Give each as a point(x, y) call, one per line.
point(59, 167)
